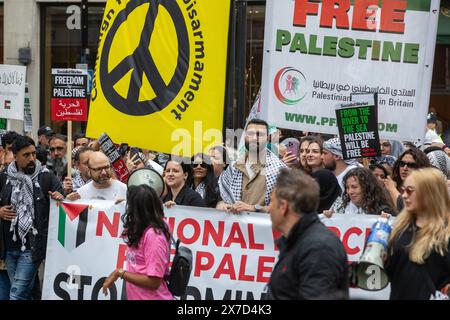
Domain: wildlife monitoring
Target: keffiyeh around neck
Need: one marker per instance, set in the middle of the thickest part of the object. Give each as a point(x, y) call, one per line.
point(22, 200)
point(201, 189)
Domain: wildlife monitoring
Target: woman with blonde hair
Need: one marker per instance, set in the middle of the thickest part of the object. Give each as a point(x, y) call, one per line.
point(418, 264)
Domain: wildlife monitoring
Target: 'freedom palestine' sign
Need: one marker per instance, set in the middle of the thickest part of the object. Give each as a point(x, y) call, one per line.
point(358, 129)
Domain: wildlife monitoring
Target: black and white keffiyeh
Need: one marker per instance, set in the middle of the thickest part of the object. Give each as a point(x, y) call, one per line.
point(22, 199)
point(201, 189)
point(77, 181)
point(230, 181)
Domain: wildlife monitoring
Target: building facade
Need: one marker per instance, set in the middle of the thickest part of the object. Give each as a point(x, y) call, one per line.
point(52, 31)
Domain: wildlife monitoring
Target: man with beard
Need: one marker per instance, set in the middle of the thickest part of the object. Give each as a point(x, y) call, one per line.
point(58, 149)
point(24, 211)
point(81, 175)
point(333, 160)
point(247, 184)
point(102, 185)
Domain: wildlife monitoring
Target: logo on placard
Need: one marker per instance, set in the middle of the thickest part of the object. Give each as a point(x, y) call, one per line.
point(141, 63)
point(290, 86)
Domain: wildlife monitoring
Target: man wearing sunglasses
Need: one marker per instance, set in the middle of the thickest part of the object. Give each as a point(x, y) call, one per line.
point(102, 186)
point(247, 184)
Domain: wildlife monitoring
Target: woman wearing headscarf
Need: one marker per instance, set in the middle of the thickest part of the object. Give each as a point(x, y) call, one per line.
point(329, 188)
point(439, 159)
point(391, 148)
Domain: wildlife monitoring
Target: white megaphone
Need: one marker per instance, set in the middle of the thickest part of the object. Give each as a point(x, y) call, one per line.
point(149, 177)
point(370, 273)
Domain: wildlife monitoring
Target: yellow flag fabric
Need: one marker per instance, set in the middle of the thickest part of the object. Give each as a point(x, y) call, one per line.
point(159, 80)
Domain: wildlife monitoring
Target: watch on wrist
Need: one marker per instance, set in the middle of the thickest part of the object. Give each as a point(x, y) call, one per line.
point(258, 208)
point(120, 272)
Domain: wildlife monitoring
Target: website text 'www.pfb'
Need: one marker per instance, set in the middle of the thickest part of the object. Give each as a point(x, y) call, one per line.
point(330, 122)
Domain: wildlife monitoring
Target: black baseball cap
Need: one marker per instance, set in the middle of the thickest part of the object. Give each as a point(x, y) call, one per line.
point(431, 118)
point(46, 130)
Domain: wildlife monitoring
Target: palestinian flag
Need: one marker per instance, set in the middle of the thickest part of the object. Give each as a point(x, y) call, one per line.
point(73, 219)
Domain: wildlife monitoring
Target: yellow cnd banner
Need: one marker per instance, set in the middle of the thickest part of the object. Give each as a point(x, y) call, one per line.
point(159, 80)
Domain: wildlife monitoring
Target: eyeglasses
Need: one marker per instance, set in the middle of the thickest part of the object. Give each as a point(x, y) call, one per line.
point(195, 165)
point(256, 134)
point(56, 148)
point(411, 165)
point(106, 168)
point(408, 190)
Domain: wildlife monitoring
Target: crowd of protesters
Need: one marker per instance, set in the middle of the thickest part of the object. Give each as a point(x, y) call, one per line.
point(293, 182)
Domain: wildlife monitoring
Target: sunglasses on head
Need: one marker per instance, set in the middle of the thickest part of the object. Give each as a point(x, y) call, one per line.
point(408, 190)
point(195, 165)
point(411, 165)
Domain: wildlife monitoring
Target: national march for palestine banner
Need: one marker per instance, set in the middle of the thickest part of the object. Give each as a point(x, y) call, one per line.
point(159, 80)
point(233, 255)
point(318, 53)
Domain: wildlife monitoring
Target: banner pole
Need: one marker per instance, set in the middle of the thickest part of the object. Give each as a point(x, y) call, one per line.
point(69, 148)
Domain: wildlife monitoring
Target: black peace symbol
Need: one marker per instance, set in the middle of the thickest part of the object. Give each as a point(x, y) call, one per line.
point(141, 62)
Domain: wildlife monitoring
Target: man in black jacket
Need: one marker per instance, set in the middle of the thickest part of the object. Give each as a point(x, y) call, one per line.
point(312, 262)
point(24, 211)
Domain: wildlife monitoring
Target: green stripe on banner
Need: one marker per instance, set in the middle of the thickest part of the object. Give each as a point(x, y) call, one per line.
point(413, 5)
point(62, 225)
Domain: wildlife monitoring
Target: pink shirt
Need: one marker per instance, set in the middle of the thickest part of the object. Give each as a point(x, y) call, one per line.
point(151, 258)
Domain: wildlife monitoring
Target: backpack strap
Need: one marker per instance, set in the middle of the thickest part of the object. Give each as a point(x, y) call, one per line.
point(176, 243)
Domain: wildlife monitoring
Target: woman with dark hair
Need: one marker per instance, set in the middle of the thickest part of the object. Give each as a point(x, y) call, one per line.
point(363, 194)
point(314, 155)
point(204, 182)
point(219, 159)
point(329, 188)
point(148, 251)
point(408, 161)
point(379, 171)
point(176, 173)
